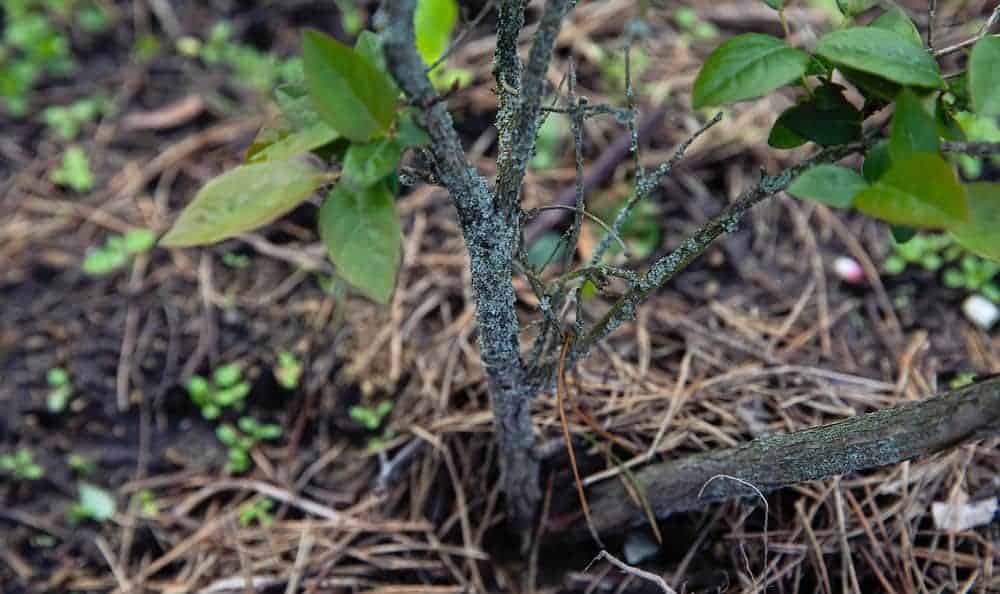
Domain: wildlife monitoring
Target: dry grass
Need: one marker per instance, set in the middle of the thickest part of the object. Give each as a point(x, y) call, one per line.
point(758, 338)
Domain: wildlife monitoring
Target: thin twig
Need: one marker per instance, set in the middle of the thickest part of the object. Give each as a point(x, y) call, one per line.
point(931, 20)
point(983, 31)
point(596, 219)
point(633, 571)
point(561, 405)
point(767, 514)
point(645, 186)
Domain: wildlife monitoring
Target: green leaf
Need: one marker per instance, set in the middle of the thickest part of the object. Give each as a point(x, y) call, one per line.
point(833, 185)
point(433, 23)
point(827, 118)
point(361, 231)
point(370, 46)
point(296, 106)
point(243, 199)
point(74, 171)
point(96, 503)
point(297, 143)
point(782, 137)
point(913, 130)
point(979, 235)
point(870, 84)
point(919, 191)
point(877, 161)
point(745, 67)
point(851, 8)
point(883, 53)
point(366, 164)
point(347, 90)
point(984, 76)
point(775, 4)
point(895, 19)
point(902, 234)
point(138, 241)
point(227, 375)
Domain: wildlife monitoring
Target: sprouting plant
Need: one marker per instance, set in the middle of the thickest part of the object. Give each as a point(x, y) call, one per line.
point(959, 269)
point(117, 250)
point(226, 389)
point(258, 510)
point(975, 275)
point(371, 417)
point(694, 27)
point(94, 504)
point(35, 44)
point(147, 503)
point(80, 464)
point(235, 260)
point(260, 71)
point(961, 380)
point(241, 441)
point(288, 371)
point(60, 389)
point(66, 121)
point(74, 171)
point(21, 464)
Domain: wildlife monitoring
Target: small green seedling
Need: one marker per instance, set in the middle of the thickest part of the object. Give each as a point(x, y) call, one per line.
point(226, 389)
point(74, 171)
point(260, 71)
point(34, 44)
point(81, 464)
point(694, 27)
point(147, 503)
point(60, 390)
point(241, 441)
point(288, 371)
point(21, 464)
point(234, 260)
point(940, 252)
point(258, 510)
point(117, 251)
point(974, 275)
point(94, 504)
point(66, 121)
point(371, 418)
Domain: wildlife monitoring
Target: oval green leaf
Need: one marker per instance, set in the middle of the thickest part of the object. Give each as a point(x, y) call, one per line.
point(775, 4)
point(827, 119)
point(293, 145)
point(361, 231)
point(366, 164)
point(913, 130)
point(979, 234)
point(984, 76)
point(883, 53)
point(347, 90)
point(877, 161)
point(920, 191)
point(745, 67)
point(243, 199)
point(832, 185)
point(895, 19)
point(852, 8)
point(433, 23)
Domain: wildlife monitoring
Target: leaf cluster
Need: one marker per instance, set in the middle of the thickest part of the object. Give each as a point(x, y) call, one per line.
point(343, 126)
point(225, 389)
point(905, 180)
point(241, 441)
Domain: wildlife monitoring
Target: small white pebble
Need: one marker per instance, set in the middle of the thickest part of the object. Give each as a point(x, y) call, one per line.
point(848, 270)
point(980, 311)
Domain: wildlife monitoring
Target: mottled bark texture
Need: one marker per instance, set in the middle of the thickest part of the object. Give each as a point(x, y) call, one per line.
point(867, 441)
point(490, 228)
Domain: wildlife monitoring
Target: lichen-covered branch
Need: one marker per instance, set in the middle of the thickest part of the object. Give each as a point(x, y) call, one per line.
point(491, 238)
point(517, 126)
point(873, 440)
point(664, 269)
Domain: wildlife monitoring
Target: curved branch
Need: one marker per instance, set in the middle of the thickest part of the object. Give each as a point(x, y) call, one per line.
point(873, 440)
